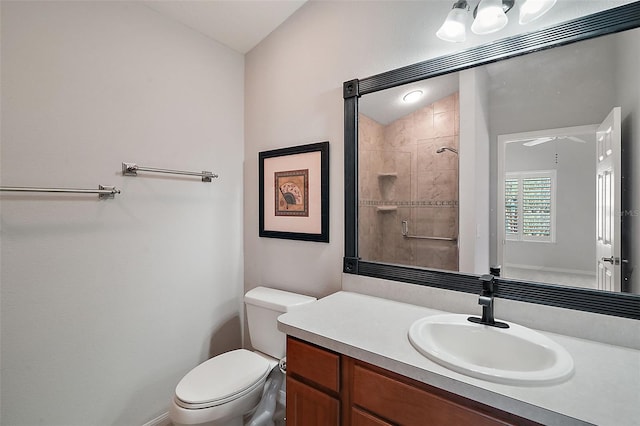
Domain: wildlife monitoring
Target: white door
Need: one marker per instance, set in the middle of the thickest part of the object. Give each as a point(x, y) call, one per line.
point(608, 183)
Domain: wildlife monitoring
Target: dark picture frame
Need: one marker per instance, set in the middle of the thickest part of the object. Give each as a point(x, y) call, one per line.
point(293, 187)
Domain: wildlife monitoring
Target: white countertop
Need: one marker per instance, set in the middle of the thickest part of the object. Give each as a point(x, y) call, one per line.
point(604, 390)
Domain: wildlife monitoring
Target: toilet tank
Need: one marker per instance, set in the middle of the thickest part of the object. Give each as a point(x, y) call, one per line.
point(264, 306)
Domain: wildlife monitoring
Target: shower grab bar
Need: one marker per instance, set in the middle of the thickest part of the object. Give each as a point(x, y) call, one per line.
point(132, 169)
point(103, 192)
point(405, 233)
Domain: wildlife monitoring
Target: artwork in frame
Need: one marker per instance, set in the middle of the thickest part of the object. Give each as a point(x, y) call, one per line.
point(294, 192)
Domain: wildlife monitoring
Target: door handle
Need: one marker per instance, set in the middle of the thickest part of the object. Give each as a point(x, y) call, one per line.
point(614, 260)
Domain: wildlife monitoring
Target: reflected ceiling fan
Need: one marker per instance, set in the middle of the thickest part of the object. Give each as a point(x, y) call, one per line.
point(538, 141)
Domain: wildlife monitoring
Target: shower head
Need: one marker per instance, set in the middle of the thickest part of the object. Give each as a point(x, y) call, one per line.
point(443, 148)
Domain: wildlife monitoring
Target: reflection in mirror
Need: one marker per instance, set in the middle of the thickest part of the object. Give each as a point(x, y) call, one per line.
point(408, 207)
point(547, 199)
point(555, 215)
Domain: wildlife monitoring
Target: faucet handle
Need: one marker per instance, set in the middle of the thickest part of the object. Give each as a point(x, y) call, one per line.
point(485, 301)
point(487, 282)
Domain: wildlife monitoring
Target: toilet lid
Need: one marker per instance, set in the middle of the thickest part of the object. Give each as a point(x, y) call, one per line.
point(222, 377)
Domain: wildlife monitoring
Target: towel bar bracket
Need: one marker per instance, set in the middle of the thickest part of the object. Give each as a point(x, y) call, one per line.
point(107, 195)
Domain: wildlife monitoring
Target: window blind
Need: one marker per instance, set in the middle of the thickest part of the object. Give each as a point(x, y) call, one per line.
point(528, 205)
point(536, 206)
point(511, 210)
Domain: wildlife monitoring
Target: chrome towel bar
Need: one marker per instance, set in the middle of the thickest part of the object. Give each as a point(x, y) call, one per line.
point(132, 169)
point(103, 192)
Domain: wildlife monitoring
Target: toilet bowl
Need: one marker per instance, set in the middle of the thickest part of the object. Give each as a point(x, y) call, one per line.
point(226, 389)
point(221, 390)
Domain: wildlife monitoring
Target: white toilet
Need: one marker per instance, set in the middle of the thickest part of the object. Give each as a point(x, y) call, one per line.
point(223, 390)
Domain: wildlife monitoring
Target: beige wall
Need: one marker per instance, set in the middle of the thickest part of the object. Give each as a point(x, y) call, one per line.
point(107, 304)
point(293, 82)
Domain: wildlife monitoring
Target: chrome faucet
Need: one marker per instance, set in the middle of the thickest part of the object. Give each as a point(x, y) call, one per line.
point(486, 301)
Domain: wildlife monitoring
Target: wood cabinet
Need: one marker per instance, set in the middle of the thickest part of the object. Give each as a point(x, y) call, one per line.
point(325, 388)
point(313, 385)
point(308, 406)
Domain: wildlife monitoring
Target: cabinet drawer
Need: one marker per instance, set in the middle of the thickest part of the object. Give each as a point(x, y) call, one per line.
point(319, 366)
point(405, 404)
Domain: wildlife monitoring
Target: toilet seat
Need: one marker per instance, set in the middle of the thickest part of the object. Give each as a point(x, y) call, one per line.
point(222, 379)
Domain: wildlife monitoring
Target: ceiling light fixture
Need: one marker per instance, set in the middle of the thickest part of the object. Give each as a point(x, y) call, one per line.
point(489, 16)
point(412, 96)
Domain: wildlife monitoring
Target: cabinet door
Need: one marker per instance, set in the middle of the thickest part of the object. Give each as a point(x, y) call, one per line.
point(307, 406)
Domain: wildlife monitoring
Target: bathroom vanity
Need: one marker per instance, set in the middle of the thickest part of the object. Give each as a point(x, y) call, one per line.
point(328, 388)
point(350, 362)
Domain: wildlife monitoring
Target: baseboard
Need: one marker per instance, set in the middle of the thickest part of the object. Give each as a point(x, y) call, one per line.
point(161, 420)
point(546, 269)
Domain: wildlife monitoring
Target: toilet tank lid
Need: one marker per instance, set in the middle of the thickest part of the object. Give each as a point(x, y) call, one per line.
point(278, 300)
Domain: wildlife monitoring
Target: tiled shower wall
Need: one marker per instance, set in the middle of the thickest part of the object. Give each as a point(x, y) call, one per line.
point(403, 178)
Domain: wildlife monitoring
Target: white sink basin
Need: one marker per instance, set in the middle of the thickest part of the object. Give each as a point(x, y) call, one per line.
point(515, 355)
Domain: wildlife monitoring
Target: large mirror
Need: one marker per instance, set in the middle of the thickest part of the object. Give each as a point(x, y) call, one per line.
point(522, 167)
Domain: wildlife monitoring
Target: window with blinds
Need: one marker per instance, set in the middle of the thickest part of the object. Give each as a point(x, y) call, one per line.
point(511, 209)
point(529, 212)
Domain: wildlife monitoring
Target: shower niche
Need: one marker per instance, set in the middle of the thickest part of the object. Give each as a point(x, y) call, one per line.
point(408, 182)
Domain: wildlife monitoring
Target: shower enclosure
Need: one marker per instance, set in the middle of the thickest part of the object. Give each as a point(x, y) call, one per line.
point(408, 187)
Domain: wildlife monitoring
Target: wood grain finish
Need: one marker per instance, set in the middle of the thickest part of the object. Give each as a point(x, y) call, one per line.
point(328, 389)
point(307, 406)
point(314, 364)
point(361, 418)
point(408, 405)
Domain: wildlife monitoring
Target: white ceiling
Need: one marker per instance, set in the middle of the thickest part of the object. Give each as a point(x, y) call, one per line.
point(242, 24)
point(387, 105)
point(238, 24)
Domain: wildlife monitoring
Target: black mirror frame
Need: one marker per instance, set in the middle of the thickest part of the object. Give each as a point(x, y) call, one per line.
point(607, 22)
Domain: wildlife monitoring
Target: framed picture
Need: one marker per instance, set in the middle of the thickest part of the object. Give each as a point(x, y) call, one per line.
point(294, 192)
